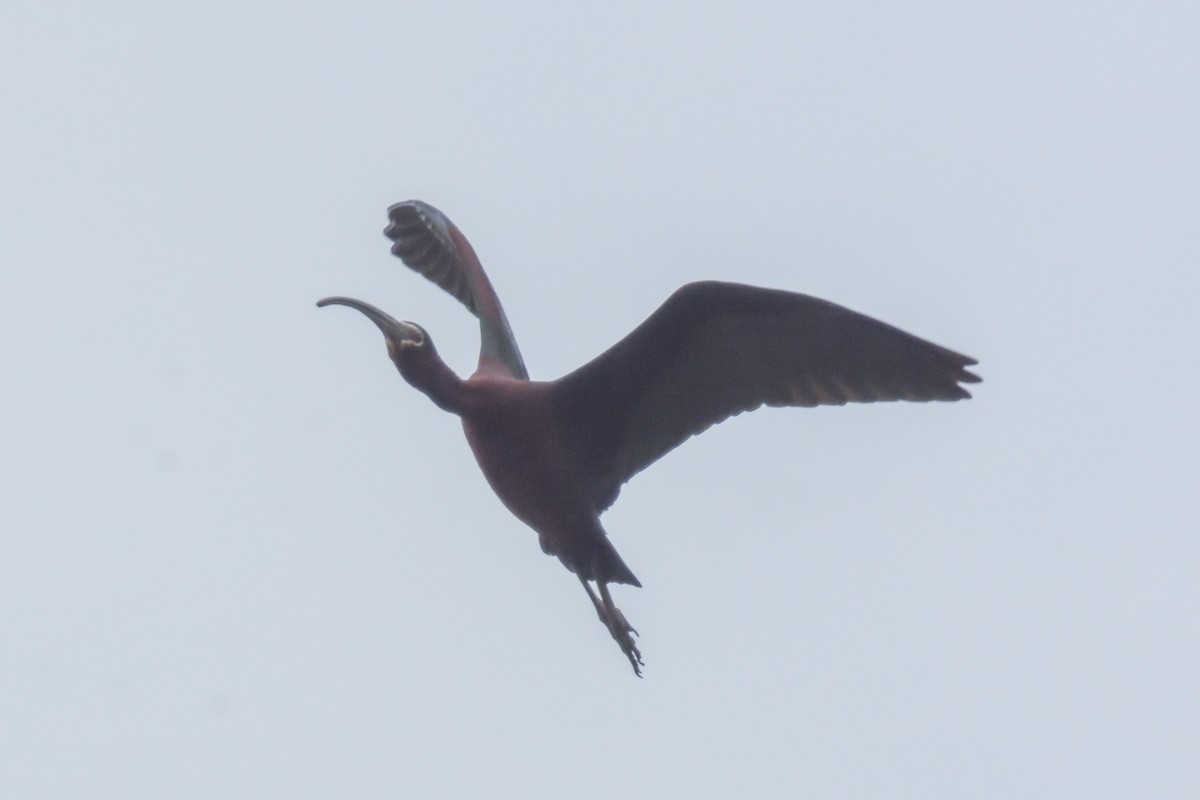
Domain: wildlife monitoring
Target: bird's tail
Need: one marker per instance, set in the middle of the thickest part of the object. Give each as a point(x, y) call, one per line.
point(610, 567)
point(595, 559)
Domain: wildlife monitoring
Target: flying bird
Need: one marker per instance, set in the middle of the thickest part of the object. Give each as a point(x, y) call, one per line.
point(557, 452)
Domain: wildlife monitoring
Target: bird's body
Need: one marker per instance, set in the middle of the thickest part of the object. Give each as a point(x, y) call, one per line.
point(518, 436)
point(556, 453)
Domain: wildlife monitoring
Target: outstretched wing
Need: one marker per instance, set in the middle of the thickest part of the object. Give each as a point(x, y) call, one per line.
point(427, 241)
point(713, 350)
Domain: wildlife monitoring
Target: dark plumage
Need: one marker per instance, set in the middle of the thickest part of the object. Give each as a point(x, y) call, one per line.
point(558, 452)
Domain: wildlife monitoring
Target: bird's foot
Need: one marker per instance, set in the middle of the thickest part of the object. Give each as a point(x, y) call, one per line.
point(618, 627)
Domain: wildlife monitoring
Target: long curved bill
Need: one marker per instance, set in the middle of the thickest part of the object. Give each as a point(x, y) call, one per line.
point(393, 329)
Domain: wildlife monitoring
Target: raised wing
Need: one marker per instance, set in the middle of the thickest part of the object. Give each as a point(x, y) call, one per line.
point(713, 350)
point(427, 241)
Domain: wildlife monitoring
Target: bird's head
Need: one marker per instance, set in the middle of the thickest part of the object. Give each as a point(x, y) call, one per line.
point(408, 343)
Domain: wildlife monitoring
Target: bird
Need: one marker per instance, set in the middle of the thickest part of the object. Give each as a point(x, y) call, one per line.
point(557, 452)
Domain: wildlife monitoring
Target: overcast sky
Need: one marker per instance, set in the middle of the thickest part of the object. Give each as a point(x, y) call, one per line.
point(241, 558)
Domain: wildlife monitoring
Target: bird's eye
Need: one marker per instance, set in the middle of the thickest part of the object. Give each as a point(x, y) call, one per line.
point(396, 348)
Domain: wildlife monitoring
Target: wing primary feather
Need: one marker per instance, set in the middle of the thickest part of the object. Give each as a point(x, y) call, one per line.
point(428, 242)
point(727, 348)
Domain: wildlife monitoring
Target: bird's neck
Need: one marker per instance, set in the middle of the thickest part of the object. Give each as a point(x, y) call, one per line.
point(438, 382)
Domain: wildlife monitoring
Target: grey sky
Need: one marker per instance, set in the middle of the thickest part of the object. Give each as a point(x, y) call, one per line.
point(239, 557)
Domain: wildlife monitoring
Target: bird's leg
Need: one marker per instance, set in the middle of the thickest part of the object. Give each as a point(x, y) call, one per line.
point(617, 625)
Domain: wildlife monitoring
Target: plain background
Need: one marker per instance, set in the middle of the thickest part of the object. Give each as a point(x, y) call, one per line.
point(240, 558)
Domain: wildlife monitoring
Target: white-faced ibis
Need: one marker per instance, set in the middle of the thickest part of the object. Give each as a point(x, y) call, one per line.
point(557, 452)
